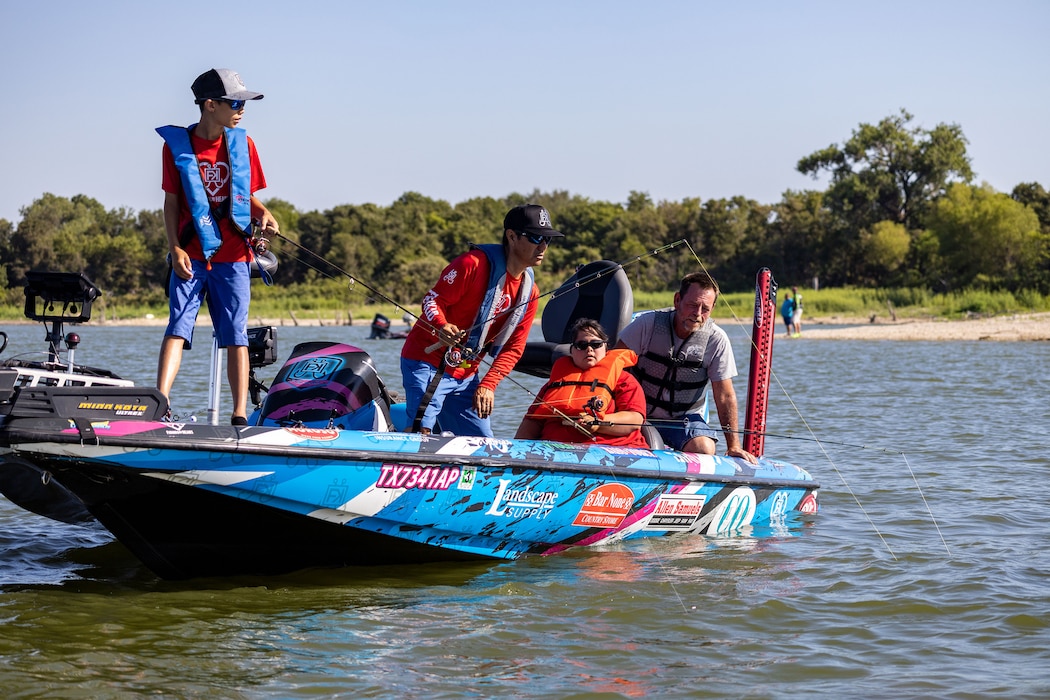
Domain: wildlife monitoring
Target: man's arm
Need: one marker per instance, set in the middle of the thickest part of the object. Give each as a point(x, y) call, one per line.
point(725, 403)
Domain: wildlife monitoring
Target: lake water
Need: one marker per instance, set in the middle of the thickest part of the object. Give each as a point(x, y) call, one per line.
point(926, 572)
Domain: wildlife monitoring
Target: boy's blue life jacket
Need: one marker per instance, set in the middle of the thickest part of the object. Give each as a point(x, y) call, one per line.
point(204, 220)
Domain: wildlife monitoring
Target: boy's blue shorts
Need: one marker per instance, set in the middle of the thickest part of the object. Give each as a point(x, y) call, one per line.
point(228, 290)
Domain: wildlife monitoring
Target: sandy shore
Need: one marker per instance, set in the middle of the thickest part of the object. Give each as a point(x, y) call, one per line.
point(1003, 328)
point(1032, 327)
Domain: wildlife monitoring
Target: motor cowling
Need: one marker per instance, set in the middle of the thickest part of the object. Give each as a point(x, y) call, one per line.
point(324, 384)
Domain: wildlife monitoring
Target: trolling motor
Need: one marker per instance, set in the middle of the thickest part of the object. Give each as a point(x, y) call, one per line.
point(58, 298)
point(72, 292)
point(262, 351)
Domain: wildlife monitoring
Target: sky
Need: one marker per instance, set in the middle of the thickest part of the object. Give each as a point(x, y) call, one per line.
point(365, 101)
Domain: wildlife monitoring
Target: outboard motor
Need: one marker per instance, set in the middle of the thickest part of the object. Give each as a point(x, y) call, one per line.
point(380, 328)
point(328, 385)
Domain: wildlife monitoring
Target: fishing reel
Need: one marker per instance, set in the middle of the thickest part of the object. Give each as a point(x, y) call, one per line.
point(265, 261)
point(258, 243)
point(459, 357)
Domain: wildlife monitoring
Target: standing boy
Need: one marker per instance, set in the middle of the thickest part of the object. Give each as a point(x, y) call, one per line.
point(211, 174)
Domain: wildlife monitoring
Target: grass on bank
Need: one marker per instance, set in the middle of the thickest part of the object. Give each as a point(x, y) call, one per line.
point(334, 303)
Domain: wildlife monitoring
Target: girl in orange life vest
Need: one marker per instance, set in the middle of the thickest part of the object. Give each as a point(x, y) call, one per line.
point(590, 385)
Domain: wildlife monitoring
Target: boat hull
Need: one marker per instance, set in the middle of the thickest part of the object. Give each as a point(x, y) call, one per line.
point(198, 500)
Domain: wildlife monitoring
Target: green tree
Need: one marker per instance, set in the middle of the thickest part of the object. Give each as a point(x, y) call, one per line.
point(795, 249)
point(884, 172)
point(887, 171)
point(885, 248)
point(986, 238)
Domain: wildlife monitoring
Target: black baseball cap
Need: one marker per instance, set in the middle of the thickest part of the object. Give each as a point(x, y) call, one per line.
point(222, 83)
point(530, 218)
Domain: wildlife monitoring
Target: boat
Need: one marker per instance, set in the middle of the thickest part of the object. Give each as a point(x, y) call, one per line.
point(325, 476)
point(380, 329)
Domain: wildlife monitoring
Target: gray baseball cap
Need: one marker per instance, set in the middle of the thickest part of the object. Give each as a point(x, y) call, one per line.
point(222, 83)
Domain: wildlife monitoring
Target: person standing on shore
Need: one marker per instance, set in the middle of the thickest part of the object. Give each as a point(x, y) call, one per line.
point(787, 311)
point(796, 316)
point(210, 176)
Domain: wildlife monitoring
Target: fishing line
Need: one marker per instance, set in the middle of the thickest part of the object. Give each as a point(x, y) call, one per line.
point(834, 466)
point(353, 280)
point(820, 443)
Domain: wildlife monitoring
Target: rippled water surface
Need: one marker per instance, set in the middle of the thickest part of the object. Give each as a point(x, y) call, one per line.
point(926, 572)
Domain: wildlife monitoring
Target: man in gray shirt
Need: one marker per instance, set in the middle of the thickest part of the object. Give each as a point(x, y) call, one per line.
point(679, 350)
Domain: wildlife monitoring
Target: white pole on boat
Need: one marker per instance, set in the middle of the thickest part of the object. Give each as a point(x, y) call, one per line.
point(213, 382)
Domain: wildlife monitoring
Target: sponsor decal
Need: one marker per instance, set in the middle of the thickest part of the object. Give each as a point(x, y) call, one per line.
point(467, 479)
point(396, 437)
point(450, 276)
point(502, 302)
point(313, 369)
point(177, 429)
point(808, 504)
point(215, 175)
point(315, 433)
point(336, 493)
point(734, 512)
point(626, 451)
point(676, 511)
point(521, 503)
point(778, 507)
point(95, 425)
point(135, 410)
point(413, 476)
point(605, 506)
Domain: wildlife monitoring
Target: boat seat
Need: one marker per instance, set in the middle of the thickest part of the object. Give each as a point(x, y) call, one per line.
point(600, 290)
point(653, 437)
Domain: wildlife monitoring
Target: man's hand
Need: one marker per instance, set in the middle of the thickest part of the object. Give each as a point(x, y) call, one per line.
point(450, 333)
point(742, 453)
point(484, 400)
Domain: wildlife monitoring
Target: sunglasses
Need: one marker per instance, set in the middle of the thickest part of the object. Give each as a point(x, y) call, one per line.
point(584, 344)
point(536, 239)
point(235, 105)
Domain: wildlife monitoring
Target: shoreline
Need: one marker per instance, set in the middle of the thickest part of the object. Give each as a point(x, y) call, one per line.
point(1008, 327)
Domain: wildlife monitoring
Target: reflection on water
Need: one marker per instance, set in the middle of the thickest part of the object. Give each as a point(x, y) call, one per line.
point(919, 441)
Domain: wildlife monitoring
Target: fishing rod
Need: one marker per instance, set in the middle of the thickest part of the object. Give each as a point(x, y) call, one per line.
point(354, 280)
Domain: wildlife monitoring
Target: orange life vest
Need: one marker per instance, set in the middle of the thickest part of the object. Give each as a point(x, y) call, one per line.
point(570, 388)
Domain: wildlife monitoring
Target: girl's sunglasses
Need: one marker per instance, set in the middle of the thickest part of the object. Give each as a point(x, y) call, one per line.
point(584, 344)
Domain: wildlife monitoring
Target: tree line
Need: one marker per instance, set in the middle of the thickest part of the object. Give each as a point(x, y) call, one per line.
point(900, 209)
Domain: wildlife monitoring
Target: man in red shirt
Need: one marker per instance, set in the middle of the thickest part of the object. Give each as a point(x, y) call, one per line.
point(211, 174)
point(483, 304)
